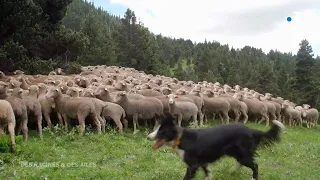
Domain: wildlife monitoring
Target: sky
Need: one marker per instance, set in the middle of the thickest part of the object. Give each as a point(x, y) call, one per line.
point(261, 24)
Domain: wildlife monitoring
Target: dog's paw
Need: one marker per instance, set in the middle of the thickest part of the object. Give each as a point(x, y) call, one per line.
point(208, 178)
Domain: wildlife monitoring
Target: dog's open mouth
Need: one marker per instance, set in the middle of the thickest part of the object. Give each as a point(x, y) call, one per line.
point(159, 143)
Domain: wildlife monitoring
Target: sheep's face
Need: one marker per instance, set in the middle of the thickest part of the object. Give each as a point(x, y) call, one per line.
point(33, 89)
point(53, 93)
point(284, 105)
point(238, 96)
point(172, 98)
point(166, 91)
point(237, 87)
point(306, 106)
point(3, 87)
point(120, 97)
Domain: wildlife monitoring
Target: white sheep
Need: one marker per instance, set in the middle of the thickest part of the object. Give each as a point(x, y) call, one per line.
point(7, 118)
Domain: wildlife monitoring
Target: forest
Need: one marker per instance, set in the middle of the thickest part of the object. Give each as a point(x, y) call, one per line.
point(40, 35)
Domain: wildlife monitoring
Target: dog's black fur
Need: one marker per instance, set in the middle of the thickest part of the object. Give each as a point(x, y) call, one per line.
point(204, 146)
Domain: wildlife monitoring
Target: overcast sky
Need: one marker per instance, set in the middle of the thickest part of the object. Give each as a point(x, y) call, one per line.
point(259, 23)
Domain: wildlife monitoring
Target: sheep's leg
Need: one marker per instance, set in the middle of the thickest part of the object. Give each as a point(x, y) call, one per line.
point(308, 124)
point(19, 128)
point(290, 121)
point(103, 123)
point(225, 117)
point(125, 123)
point(118, 123)
point(237, 115)
point(194, 118)
point(267, 120)
point(205, 117)
point(96, 121)
point(66, 121)
point(11, 127)
point(279, 116)
point(48, 119)
point(82, 124)
point(201, 118)
point(135, 122)
point(245, 118)
point(179, 120)
point(39, 123)
point(61, 120)
point(25, 128)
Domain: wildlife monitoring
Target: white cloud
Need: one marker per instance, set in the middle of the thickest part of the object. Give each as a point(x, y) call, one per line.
point(261, 24)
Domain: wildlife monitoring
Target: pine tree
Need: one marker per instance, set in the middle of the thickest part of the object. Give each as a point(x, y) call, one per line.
point(302, 84)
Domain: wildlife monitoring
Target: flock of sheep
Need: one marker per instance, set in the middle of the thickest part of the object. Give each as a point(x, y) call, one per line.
point(101, 93)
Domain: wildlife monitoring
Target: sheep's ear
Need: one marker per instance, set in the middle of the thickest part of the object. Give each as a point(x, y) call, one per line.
point(20, 90)
point(106, 89)
point(28, 88)
point(12, 84)
point(92, 94)
point(57, 90)
point(80, 90)
point(123, 84)
point(123, 93)
point(61, 87)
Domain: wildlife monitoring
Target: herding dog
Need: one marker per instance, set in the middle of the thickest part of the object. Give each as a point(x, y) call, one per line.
point(199, 147)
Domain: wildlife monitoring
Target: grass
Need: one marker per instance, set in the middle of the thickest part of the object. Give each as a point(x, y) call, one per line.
point(126, 156)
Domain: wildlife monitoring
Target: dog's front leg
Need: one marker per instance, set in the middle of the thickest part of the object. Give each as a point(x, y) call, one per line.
point(191, 171)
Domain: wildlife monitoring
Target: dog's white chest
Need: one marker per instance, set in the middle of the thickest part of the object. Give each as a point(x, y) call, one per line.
point(180, 152)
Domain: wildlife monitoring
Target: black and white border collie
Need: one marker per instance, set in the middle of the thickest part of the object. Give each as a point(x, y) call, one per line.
point(199, 147)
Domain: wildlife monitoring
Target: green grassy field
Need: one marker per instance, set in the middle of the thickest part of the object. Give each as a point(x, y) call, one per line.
point(126, 156)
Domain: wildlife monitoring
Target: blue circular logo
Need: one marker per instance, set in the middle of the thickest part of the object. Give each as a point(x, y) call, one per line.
point(289, 19)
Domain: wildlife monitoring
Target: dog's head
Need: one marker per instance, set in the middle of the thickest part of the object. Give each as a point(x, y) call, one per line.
point(166, 132)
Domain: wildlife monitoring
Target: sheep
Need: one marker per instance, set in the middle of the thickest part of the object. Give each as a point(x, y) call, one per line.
point(291, 114)
point(7, 118)
point(184, 110)
point(216, 106)
point(270, 106)
point(47, 105)
point(268, 97)
point(19, 109)
point(243, 107)
point(311, 115)
point(70, 107)
point(34, 106)
point(234, 103)
point(146, 108)
point(255, 107)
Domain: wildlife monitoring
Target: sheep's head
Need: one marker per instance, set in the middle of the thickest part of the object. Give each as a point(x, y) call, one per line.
point(172, 98)
point(238, 96)
point(33, 89)
point(17, 92)
point(3, 87)
point(120, 96)
point(268, 96)
point(285, 105)
point(88, 93)
point(237, 87)
point(209, 93)
point(306, 106)
point(53, 93)
point(166, 90)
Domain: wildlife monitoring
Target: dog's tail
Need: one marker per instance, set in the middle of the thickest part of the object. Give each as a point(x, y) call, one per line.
point(269, 137)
